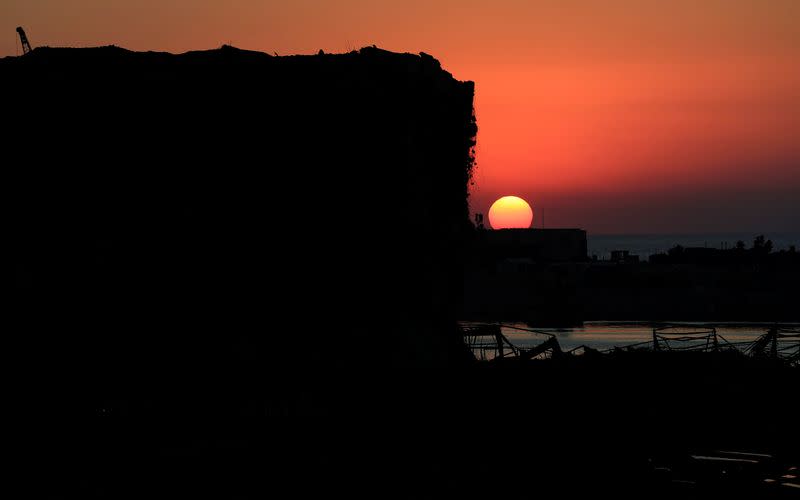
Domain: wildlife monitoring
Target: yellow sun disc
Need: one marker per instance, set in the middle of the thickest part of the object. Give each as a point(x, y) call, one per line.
point(510, 212)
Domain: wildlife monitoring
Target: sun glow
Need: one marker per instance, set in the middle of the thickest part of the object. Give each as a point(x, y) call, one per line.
point(510, 212)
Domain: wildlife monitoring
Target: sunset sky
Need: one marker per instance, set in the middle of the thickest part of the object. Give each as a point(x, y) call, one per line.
point(613, 115)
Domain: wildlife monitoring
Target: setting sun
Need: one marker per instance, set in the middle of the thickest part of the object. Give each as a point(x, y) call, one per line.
point(510, 212)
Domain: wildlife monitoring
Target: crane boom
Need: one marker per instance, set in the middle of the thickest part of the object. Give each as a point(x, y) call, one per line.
point(26, 46)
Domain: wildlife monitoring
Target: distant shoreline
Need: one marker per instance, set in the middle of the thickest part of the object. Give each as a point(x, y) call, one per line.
point(645, 244)
point(690, 233)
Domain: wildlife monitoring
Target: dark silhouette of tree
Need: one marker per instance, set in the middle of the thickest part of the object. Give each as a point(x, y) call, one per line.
point(740, 245)
point(762, 246)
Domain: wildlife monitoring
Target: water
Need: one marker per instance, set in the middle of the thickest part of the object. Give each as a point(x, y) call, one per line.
point(607, 335)
point(645, 245)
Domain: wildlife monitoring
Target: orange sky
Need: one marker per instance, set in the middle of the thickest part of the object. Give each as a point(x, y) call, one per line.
point(614, 116)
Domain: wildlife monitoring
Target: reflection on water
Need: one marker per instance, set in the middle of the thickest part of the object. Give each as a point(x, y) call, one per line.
point(607, 335)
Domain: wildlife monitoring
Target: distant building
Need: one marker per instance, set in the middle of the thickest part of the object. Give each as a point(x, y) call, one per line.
point(538, 245)
point(623, 256)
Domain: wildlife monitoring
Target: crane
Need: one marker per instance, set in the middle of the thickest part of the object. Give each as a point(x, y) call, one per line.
point(26, 45)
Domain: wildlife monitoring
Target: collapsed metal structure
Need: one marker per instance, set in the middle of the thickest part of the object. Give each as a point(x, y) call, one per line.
point(488, 343)
point(778, 343)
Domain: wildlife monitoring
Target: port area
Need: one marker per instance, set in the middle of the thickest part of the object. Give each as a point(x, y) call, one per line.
point(686, 414)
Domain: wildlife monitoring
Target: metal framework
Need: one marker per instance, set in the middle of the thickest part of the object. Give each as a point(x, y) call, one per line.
point(488, 343)
point(686, 338)
point(778, 344)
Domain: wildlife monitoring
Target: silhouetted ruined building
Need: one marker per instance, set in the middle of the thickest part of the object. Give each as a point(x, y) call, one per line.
point(148, 198)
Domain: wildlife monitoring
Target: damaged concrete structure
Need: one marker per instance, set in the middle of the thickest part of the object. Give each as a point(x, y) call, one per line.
point(165, 207)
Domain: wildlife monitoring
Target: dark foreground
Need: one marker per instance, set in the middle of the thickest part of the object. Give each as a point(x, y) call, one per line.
point(653, 425)
point(174, 217)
